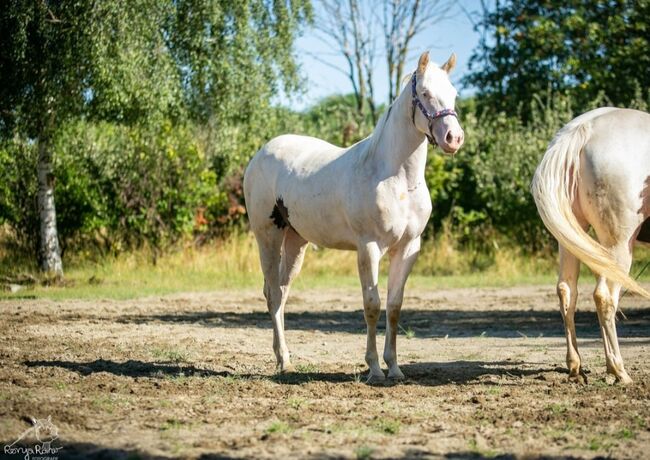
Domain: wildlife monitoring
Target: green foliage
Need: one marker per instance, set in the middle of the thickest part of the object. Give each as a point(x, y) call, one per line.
point(150, 107)
point(483, 192)
point(583, 48)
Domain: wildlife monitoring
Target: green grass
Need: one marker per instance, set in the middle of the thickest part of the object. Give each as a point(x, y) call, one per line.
point(233, 264)
point(172, 355)
point(387, 426)
point(278, 427)
point(363, 452)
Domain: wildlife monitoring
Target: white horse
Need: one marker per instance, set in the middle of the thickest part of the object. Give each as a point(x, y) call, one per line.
point(370, 197)
point(596, 172)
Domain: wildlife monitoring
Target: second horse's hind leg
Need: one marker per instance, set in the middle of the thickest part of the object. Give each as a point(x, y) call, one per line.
point(606, 297)
point(567, 291)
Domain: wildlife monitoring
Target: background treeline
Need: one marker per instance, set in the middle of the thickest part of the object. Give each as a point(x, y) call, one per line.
point(146, 113)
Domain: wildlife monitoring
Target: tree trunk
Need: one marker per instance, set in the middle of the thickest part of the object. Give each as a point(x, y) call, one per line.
point(50, 252)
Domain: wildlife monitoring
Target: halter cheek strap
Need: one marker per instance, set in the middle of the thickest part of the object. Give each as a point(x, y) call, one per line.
point(431, 117)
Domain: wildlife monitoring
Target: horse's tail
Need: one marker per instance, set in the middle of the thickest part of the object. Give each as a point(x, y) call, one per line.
point(554, 188)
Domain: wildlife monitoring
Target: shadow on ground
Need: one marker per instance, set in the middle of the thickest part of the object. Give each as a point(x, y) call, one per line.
point(424, 323)
point(428, 374)
point(79, 450)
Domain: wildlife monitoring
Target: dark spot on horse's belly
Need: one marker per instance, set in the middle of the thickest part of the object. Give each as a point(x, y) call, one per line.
point(644, 233)
point(280, 214)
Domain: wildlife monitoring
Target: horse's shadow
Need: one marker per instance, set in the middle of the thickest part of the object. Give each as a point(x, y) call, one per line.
point(428, 374)
point(514, 323)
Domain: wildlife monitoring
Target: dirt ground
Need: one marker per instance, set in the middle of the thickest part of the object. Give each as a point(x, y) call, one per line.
point(192, 376)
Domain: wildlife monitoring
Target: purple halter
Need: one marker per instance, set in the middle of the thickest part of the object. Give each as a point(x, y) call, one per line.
point(429, 116)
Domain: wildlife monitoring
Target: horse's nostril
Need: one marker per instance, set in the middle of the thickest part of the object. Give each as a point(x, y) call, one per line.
point(449, 138)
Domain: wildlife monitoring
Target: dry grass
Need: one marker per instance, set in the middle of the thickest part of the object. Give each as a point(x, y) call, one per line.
point(234, 264)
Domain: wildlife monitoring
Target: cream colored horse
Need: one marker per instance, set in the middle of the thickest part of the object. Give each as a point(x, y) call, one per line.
point(370, 197)
point(596, 172)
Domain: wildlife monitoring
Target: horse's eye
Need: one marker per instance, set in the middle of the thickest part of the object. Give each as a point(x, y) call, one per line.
point(426, 94)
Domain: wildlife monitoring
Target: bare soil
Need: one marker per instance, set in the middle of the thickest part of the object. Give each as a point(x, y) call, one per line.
point(192, 376)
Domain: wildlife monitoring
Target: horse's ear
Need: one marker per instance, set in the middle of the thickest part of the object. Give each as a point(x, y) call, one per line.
point(49, 418)
point(450, 64)
point(423, 62)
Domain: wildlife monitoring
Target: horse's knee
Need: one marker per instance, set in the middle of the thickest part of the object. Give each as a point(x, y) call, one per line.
point(393, 312)
point(604, 301)
point(564, 294)
point(372, 307)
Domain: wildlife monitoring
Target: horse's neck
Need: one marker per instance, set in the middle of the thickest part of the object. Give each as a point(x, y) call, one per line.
point(401, 150)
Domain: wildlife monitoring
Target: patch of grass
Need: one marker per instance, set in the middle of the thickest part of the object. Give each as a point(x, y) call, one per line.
point(109, 403)
point(494, 390)
point(600, 444)
point(357, 375)
point(172, 424)
point(557, 408)
point(638, 421)
point(387, 426)
point(278, 427)
point(308, 368)
point(482, 452)
point(60, 386)
point(297, 403)
point(626, 433)
point(600, 383)
point(363, 452)
point(165, 403)
point(409, 333)
point(172, 355)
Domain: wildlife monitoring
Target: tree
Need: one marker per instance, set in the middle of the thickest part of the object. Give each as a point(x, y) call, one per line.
point(582, 48)
point(401, 21)
point(350, 29)
point(354, 29)
point(133, 62)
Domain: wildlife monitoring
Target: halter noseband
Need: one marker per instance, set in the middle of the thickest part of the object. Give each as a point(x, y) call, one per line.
point(431, 117)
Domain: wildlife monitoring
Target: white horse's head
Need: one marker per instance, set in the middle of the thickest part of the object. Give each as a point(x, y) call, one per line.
point(434, 101)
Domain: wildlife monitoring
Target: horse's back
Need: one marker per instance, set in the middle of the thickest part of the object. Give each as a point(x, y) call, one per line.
point(300, 153)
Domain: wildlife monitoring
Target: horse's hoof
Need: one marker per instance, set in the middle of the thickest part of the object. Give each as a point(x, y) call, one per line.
point(579, 377)
point(286, 369)
point(396, 375)
point(376, 379)
point(623, 379)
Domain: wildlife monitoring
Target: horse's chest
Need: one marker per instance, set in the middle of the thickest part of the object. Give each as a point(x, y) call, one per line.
point(403, 213)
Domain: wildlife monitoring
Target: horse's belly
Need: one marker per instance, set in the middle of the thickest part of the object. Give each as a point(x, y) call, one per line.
point(322, 225)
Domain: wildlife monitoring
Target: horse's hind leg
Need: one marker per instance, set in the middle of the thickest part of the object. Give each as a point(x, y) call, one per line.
point(269, 242)
point(401, 264)
point(606, 297)
point(293, 253)
point(567, 291)
point(368, 256)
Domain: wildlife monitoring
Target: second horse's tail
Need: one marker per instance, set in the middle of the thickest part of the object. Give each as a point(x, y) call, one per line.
point(554, 188)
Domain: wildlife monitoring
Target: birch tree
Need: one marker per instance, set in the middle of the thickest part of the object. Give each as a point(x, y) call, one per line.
point(133, 62)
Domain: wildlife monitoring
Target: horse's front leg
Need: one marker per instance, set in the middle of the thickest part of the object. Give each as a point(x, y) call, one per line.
point(401, 263)
point(368, 256)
